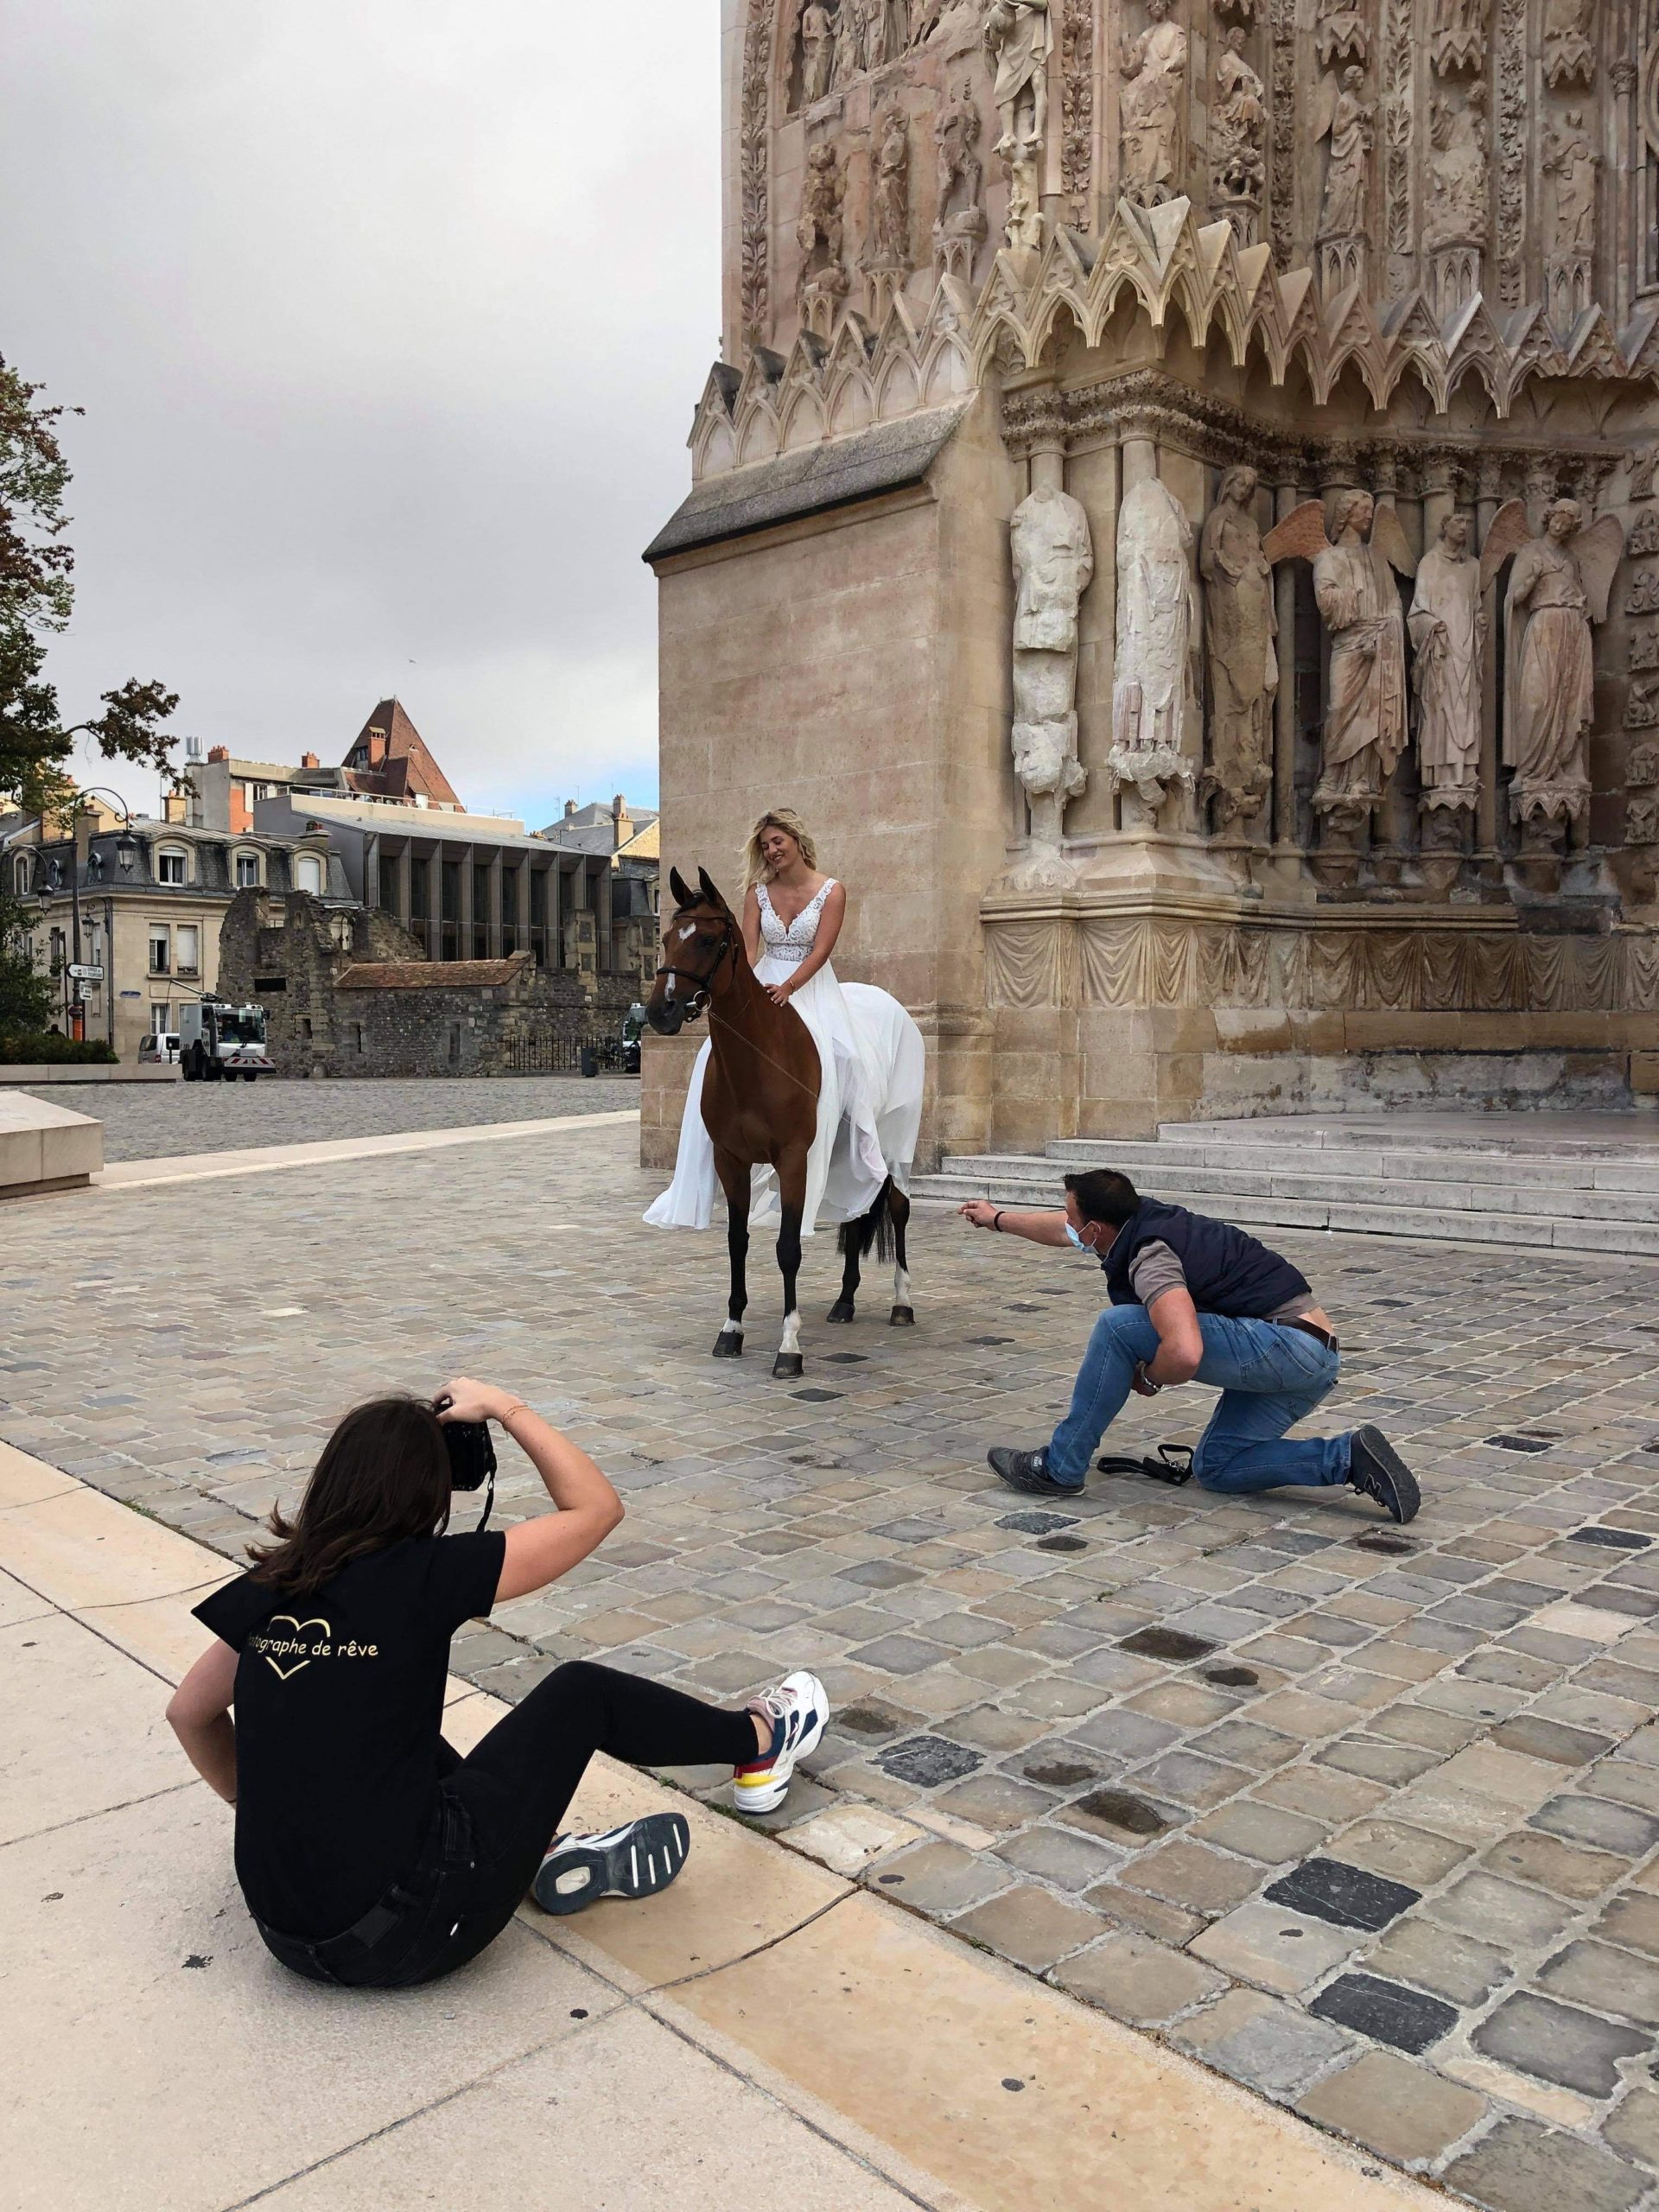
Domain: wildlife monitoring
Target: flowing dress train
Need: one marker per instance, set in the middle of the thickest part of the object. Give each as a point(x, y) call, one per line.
point(869, 1104)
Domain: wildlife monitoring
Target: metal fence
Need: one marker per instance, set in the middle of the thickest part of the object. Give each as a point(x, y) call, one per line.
point(563, 1055)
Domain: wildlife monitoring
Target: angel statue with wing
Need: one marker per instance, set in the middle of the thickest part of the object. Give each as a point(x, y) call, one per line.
point(1353, 583)
point(1559, 588)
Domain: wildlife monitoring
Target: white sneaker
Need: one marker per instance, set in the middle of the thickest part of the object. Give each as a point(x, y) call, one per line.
point(635, 1860)
point(799, 1712)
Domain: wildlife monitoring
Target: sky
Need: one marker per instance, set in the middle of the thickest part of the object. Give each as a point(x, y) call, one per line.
point(388, 318)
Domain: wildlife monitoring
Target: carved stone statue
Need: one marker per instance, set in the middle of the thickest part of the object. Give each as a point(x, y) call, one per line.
point(1237, 125)
point(1559, 588)
point(960, 226)
point(823, 281)
point(1457, 193)
point(1448, 636)
point(1348, 123)
point(1053, 566)
point(1154, 70)
point(889, 245)
point(1156, 610)
point(1571, 160)
point(1569, 52)
point(853, 21)
point(817, 51)
point(1019, 38)
point(1341, 29)
point(1240, 627)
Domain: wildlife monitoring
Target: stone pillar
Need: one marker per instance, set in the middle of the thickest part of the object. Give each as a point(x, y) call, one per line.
point(493, 916)
point(464, 914)
point(555, 915)
point(1287, 851)
point(521, 904)
point(1488, 498)
point(1139, 462)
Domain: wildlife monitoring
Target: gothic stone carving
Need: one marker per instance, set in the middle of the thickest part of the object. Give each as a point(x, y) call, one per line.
point(824, 282)
point(817, 51)
point(753, 154)
point(1569, 55)
point(1078, 109)
point(1455, 228)
point(1341, 31)
point(960, 227)
point(1349, 122)
point(1155, 615)
point(886, 256)
point(1644, 535)
point(1237, 127)
point(1644, 594)
point(1448, 633)
point(1514, 142)
point(1559, 588)
point(1153, 69)
point(1019, 38)
point(1053, 565)
point(1241, 625)
point(1456, 35)
point(1571, 162)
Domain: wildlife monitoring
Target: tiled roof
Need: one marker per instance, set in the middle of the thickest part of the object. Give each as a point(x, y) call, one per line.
point(432, 974)
point(405, 769)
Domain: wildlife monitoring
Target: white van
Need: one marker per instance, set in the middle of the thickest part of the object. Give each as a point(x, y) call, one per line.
point(158, 1051)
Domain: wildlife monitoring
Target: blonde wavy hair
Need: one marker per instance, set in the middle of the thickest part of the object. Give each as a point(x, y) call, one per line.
point(777, 818)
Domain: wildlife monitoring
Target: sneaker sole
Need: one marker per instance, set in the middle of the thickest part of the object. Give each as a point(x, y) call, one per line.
point(768, 1796)
point(644, 1859)
point(1398, 1473)
point(1045, 1486)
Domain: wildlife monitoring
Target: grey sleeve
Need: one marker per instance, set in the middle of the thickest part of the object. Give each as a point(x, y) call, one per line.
point(1153, 1270)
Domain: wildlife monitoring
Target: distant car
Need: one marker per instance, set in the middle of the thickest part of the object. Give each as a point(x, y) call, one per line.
point(158, 1052)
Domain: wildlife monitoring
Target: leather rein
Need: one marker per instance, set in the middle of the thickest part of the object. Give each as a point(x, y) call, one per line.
point(703, 993)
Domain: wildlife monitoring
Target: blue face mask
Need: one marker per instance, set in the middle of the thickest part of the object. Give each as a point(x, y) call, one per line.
point(1074, 1238)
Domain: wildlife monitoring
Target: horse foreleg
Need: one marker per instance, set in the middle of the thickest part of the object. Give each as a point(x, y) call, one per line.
point(791, 1191)
point(904, 1313)
point(728, 1345)
point(852, 1244)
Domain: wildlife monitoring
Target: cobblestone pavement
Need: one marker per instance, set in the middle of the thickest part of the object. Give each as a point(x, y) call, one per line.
point(1368, 1820)
point(172, 1120)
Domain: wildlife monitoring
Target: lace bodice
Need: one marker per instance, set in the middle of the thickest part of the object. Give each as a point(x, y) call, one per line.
point(790, 944)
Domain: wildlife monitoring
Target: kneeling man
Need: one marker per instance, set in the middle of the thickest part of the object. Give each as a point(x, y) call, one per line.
point(1197, 1299)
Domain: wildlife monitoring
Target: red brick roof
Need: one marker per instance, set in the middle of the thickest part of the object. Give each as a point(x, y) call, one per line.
point(390, 759)
point(432, 974)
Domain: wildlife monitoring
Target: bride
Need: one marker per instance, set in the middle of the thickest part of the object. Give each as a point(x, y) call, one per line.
point(869, 1049)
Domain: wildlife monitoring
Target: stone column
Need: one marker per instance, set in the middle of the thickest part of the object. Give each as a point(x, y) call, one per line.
point(1286, 498)
point(464, 915)
point(521, 916)
point(1443, 831)
point(556, 915)
point(493, 916)
point(1489, 494)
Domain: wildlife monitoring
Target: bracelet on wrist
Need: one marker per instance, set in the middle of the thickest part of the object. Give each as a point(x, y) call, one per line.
point(997, 1221)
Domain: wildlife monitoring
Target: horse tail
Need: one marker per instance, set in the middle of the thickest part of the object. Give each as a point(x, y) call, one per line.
point(871, 1231)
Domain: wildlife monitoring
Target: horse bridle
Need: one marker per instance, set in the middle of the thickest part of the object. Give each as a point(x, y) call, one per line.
point(698, 1001)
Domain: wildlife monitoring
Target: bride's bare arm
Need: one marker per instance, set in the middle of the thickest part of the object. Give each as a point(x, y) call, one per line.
point(752, 926)
point(830, 926)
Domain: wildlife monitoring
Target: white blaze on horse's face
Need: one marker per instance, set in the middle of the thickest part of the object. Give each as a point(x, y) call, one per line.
point(690, 930)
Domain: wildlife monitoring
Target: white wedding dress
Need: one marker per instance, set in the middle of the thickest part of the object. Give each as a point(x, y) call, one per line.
point(869, 1105)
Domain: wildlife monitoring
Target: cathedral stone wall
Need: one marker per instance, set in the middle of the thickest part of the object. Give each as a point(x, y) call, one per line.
point(1251, 696)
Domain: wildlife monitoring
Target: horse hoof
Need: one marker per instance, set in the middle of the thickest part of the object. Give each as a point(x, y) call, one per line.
point(788, 1367)
point(902, 1317)
point(728, 1345)
point(842, 1310)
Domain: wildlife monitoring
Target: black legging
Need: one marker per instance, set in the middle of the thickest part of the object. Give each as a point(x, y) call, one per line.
point(504, 1805)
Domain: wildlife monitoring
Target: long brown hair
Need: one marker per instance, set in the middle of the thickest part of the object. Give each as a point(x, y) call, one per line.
point(383, 1477)
point(778, 818)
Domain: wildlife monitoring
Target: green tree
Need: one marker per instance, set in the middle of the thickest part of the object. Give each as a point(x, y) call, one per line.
point(25, 998)
point(36, 600)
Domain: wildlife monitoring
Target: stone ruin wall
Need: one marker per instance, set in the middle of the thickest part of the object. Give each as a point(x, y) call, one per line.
point(1408, 248)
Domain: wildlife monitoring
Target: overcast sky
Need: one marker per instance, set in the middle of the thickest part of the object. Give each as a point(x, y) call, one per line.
point(388, 317)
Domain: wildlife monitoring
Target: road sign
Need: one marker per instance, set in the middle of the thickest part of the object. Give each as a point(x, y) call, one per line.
point(83, 974)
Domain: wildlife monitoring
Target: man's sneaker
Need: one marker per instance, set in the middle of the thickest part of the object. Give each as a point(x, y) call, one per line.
point(1378, 1470)
point(634, 1861)
point(1028, 1471)
point(799, 1712)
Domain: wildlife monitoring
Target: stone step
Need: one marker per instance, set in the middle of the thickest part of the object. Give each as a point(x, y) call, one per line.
point(1170, 1174)
point(1365, 1206)
point(1404, 1163)
point(1633, 1136)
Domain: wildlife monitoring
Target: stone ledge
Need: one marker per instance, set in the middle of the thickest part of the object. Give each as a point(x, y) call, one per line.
point(44, 1147)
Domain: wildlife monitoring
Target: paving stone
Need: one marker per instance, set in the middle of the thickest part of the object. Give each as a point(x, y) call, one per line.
point(1633, 2128)
point(1138, 1979)
point(900, 1655)
point(994, 1802)
point(1632, 1923)
point(1612, 1981)
point(1401, 1853)
point(1599, 1826)
point(1071, 1861)
point(1121, 1816)
point(1456, 1967)
point(1558, 1867)
point(1273, 1948)
point(1030, 1926)
point(928, 1760)
point(1499, 1912)
point(942, 1878)
point(1522, 2167)
point(1189, 1874)
point(1124, 1735)
point(1347, 1896)
point(1273, 2048)
point(1548, 1739)
point(1387, 2011)
point(1167, 1923)
point(1400, 2110)
point(1261, 1832)
point(1559, 2043)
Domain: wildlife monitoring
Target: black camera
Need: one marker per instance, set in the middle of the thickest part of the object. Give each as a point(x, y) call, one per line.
point(472, 1450)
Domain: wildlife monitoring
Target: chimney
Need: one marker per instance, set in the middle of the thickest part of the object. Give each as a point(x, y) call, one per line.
point(569, 809)
point(86, 820)
point(218, 753)
point(309, 761)
point(621, 822)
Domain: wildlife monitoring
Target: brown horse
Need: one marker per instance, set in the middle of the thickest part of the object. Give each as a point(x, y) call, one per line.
point(760, 1107)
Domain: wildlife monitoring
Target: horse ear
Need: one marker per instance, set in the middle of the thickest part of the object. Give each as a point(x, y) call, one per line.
point(677, 885)
point(710, 890)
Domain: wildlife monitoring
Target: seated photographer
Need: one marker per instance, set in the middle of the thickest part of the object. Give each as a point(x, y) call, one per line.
point(370, 1852)
point(1195, 1299)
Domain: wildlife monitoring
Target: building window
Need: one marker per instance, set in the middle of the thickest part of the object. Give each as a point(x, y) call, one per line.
point(159, 1024)
point(170, 865)
point(160, 949)
point(305, 1026)
point(188, 946)
point(357, 1030)
point(59, 951)
point(419, 903)
point(454, 1040)
point(389, 883)
point(22, 874)
point(307, 874)
point(247, 871)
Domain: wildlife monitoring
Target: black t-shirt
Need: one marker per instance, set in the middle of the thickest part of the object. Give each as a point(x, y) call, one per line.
point(339, 1719)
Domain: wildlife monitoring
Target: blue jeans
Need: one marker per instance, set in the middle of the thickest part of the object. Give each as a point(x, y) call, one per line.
point(1270, 1377)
